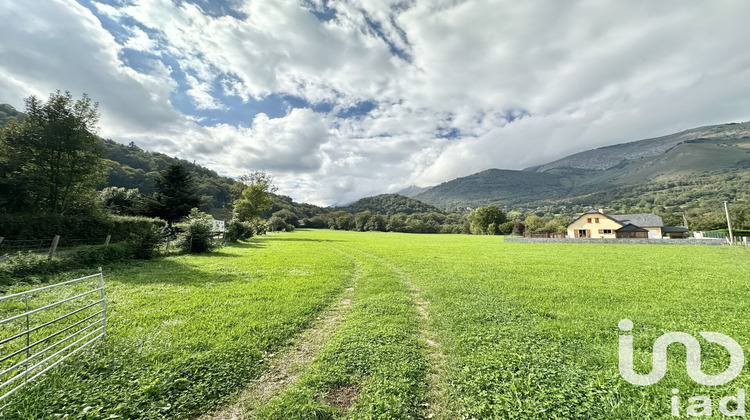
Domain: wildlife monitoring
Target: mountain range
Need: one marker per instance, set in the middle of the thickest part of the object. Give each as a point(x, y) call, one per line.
point(679, 159)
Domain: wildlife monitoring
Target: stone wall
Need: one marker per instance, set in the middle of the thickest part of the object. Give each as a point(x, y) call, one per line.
point(690, 241)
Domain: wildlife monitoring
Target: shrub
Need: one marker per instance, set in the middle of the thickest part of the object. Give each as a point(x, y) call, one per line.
point(198, 236)
point(147, 242)
point(277, 224)
point(25, 264)
point(127, 227)
point(237, 230)
point(92, 228)
point(506, 228)
point(260, 227)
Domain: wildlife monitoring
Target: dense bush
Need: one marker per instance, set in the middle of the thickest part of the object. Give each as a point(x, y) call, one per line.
point(92, 229)
point(25, 264)
point(277, 224)
point(147, 242)
point(198, 237)
point(506, 228)
point(237, 230)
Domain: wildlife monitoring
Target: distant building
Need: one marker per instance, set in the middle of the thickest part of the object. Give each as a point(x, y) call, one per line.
point(596, 224)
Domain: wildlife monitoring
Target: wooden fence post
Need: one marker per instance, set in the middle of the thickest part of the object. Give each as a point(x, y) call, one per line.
point(106, 241)
point(53, 248)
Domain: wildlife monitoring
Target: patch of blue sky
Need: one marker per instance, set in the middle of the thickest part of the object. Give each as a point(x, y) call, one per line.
point(323, 13)
point(514, 114)
point(234, 109)
point(357, 111)
point(118, 28)
point(376, 27)
point(217, 8)
point(448, 133)
point(140, 61)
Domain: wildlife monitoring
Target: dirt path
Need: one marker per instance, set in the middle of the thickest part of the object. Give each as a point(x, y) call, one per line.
point(437, 395)
point(286, 366)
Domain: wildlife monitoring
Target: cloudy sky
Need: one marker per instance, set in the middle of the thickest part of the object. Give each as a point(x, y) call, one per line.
point(340, 99)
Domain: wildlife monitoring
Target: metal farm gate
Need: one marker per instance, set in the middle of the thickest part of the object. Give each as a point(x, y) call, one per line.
point(40, 328)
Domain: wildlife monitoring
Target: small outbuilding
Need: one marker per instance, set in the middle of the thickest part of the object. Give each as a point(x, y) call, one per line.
point(631, 231)
point(675, 232)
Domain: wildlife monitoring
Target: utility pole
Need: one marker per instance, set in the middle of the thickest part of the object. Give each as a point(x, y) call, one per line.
point(729, 223)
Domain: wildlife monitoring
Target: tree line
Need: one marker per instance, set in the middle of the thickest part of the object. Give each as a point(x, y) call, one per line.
point(52, 164)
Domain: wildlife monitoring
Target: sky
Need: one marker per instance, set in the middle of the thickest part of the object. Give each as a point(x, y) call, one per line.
point(342, 99)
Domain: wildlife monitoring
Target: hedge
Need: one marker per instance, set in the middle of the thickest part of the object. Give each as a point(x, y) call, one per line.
point(91, 229)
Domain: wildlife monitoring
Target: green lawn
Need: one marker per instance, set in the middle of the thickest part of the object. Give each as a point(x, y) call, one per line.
point(521, 330)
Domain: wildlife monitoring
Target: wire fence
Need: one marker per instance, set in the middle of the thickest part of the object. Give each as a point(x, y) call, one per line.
point(46, 245)
point(44, 326)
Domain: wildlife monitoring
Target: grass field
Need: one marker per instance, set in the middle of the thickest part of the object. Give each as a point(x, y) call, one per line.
point(438, 326)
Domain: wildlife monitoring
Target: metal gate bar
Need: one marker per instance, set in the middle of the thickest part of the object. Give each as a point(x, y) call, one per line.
point(24, 369)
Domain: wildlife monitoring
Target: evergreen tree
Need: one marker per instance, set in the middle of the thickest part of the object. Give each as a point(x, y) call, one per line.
point(175, 194)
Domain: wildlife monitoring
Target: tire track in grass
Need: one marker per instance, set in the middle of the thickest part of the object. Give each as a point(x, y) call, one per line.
point(436, 406)
point(374, 366)
point(286, 366)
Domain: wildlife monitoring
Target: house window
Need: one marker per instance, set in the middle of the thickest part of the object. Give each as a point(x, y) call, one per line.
point(606, 230)
point(588, 220)
point(597, 220)
point(581, 233)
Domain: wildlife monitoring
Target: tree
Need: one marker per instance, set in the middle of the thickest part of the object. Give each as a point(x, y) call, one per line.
point(341, 220)
point(361, 219)
point(485, 220)
point(52, 160)
point(175, 194)
point(506, 228)
point(123, 201)
point(533, 223)
point(376, 223)
point(554, 226)
point(255, 197)
point(288, 217)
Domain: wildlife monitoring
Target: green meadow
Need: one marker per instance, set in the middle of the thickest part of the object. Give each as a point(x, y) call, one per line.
point(434, 326)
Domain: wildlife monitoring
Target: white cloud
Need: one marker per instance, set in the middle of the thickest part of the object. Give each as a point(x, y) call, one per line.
point(200, 92)
point(140, 41)
point(522, 83)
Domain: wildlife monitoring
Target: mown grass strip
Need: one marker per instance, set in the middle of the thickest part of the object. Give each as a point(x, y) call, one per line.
point(530, 330)
point(285, 367)
point(187, 332)
point(374, 367)
point(436, 404)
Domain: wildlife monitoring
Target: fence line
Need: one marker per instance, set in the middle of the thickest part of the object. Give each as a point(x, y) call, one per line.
point(21, 360)
point(8, 246)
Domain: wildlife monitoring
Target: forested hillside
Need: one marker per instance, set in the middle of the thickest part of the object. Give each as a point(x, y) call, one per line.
point(389, 203)
point(132, 167)
point(8, 113)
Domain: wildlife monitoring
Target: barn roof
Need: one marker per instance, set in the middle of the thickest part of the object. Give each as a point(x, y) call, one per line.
point(673, 229)
point(643, 219)
point(631, 228)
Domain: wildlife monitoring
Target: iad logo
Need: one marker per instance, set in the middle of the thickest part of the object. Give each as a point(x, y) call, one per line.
point(693, 361)
point(702, 404)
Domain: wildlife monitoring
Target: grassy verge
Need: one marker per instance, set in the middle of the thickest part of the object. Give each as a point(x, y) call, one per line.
point(524, 330)
point(374, 367)
point(186, 332)
point(530, 330)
